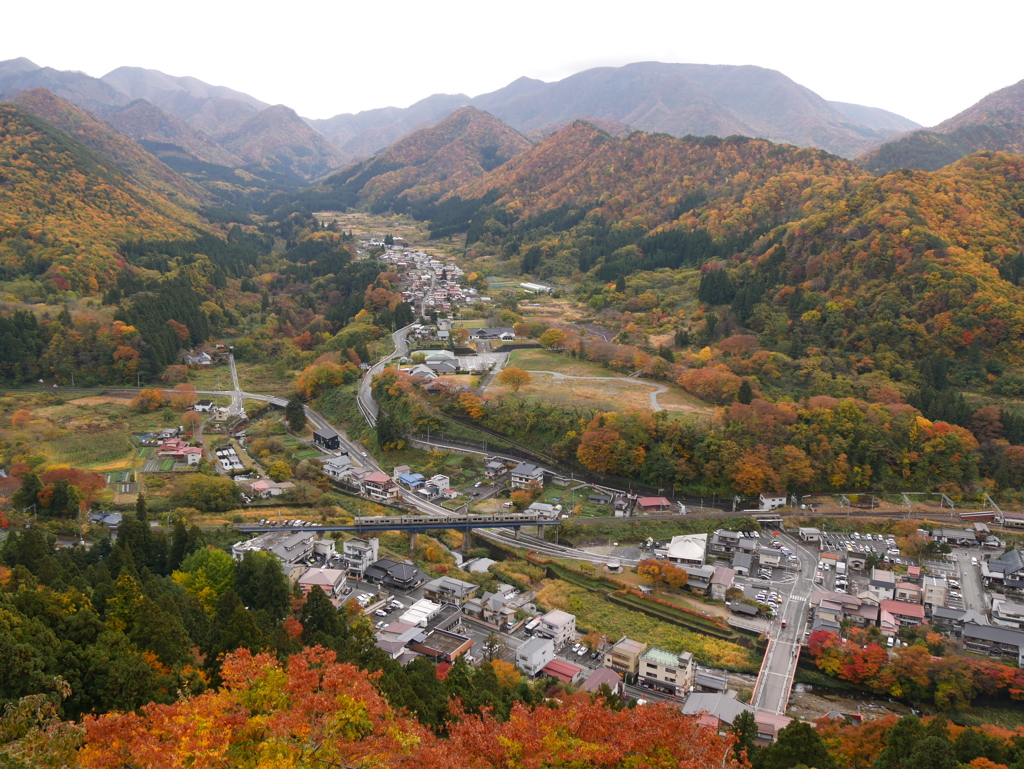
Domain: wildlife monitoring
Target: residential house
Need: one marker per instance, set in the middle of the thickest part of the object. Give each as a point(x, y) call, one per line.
point(449, 590)
point(720, 582)
point(883, 584)
point(331, 581)
point(359, 554)
point(564, 671)
point(526, 473)
point(543, 510)
point(399, 471)
point(996, 642)
point(710, 681)
point(771, 501)
point(337, 468)
point(934, 594)
point(604, 676)
point(1007, 613)
point(666, 671)
point(724, 542)
point(905, 614)
point(394, 574)
point(442, 645)
point(652, 504)
point(204, 406)
point(908, 591)
point(949, 621)
point(379, 487)
point(624, 656)
point(266, 488)
point(1007, 570)
point(954, 537)
point(742, 563)
point(411, 480)
point(328, 438)
point(687, 549)
point(490, 608)
point(699, 578)
point(495, 469)
point(533, 655)
point(769, 556)
point(558, 625)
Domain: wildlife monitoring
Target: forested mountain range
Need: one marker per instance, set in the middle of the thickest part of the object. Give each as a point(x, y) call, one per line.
point(101, 137)
point(994, 123)
point(270, 143)
point(422, 167)
point(66, 208)
point(677, 99)
point(805, 247)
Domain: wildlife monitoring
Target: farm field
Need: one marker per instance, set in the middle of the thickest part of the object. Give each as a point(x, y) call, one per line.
point(545, 360)
point(607, 391)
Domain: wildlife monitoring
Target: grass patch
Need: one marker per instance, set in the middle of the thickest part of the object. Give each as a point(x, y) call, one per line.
point(545, 360)
point(85, 450)
point(594, 613)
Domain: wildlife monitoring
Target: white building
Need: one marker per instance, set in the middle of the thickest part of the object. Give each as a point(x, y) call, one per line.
point(359, 554)
point(688, 549)
point(533, 655)
point(526, 473)
point(559, 626)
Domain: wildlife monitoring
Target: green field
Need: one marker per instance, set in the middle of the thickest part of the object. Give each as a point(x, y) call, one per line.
point(85, 450)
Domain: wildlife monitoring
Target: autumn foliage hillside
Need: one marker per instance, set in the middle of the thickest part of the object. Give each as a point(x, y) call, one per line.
point(99, 136)
point(583, 198)
point(996, 123)
point(316, 711)
point(65, 208)
point(912, 263)
point(423, 166)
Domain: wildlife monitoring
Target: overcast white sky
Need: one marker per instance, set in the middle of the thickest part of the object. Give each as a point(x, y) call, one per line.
point(924, 61)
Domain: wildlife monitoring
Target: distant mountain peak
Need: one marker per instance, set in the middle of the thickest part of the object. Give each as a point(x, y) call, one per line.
point(995, 123)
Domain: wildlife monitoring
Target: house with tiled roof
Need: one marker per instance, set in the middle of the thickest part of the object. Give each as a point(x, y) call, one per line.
point(379, 487)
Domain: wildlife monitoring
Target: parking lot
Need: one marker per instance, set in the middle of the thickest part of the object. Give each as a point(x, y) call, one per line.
point(884, 547)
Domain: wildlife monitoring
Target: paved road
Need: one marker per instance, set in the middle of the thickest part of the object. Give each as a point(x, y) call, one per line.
point(236, 393)
point(364, 398)
point(970, 581)
point(779, 665)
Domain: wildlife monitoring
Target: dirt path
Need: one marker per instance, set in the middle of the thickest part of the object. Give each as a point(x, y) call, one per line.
point(658, 388)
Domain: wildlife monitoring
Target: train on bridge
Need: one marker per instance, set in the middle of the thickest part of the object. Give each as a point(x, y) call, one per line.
point(462, 519)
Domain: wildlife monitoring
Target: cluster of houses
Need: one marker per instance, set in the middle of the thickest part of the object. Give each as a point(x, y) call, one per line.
point(891, 602)
point(170, 446)
point(229, 459)
point(203, 357)
point(707, 692)
point(429, 282)
point(372, 484)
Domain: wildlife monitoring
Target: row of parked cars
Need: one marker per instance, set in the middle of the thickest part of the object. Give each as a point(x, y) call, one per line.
point(771, 599)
